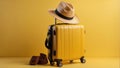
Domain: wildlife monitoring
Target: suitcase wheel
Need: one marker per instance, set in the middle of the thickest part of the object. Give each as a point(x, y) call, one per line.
point(71, 61)
point(52, 63)
point(82, 59)
point(59, 64)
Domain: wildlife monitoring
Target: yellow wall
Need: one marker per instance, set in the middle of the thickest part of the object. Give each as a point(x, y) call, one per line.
point(24, 24)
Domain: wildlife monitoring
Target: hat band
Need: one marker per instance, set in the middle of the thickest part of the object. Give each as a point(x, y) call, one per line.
point(59, 14)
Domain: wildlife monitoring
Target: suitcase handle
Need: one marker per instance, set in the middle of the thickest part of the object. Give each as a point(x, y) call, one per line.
point(55, 21)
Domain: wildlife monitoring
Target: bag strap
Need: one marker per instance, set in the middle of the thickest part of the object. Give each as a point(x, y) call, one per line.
point(48, 41)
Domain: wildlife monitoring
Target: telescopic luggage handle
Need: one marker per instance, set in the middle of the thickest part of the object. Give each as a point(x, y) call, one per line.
point(55, 21)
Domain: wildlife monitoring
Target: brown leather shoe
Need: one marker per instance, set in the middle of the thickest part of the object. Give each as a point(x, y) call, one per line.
point(43, 59)
point(34, 60)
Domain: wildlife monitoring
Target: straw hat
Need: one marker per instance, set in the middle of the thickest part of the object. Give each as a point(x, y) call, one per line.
point(65, 13)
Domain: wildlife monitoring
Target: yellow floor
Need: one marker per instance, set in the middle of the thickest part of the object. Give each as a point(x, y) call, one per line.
point(21, 62)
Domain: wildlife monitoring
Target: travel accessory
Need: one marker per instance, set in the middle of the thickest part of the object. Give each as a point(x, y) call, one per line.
point(65, 13)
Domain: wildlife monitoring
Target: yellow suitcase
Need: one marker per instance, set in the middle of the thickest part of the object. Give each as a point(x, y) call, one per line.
point(67, 43)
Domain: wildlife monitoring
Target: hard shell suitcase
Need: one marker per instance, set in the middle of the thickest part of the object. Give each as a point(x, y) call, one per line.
point(66, 43)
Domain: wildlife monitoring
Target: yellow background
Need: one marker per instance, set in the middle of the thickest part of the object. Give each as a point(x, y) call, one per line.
point(24, 25)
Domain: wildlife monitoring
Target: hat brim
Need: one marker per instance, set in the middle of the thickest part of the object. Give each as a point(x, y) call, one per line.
point(75, 20)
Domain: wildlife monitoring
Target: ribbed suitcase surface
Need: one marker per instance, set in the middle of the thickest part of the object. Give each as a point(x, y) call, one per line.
point(68, 42)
